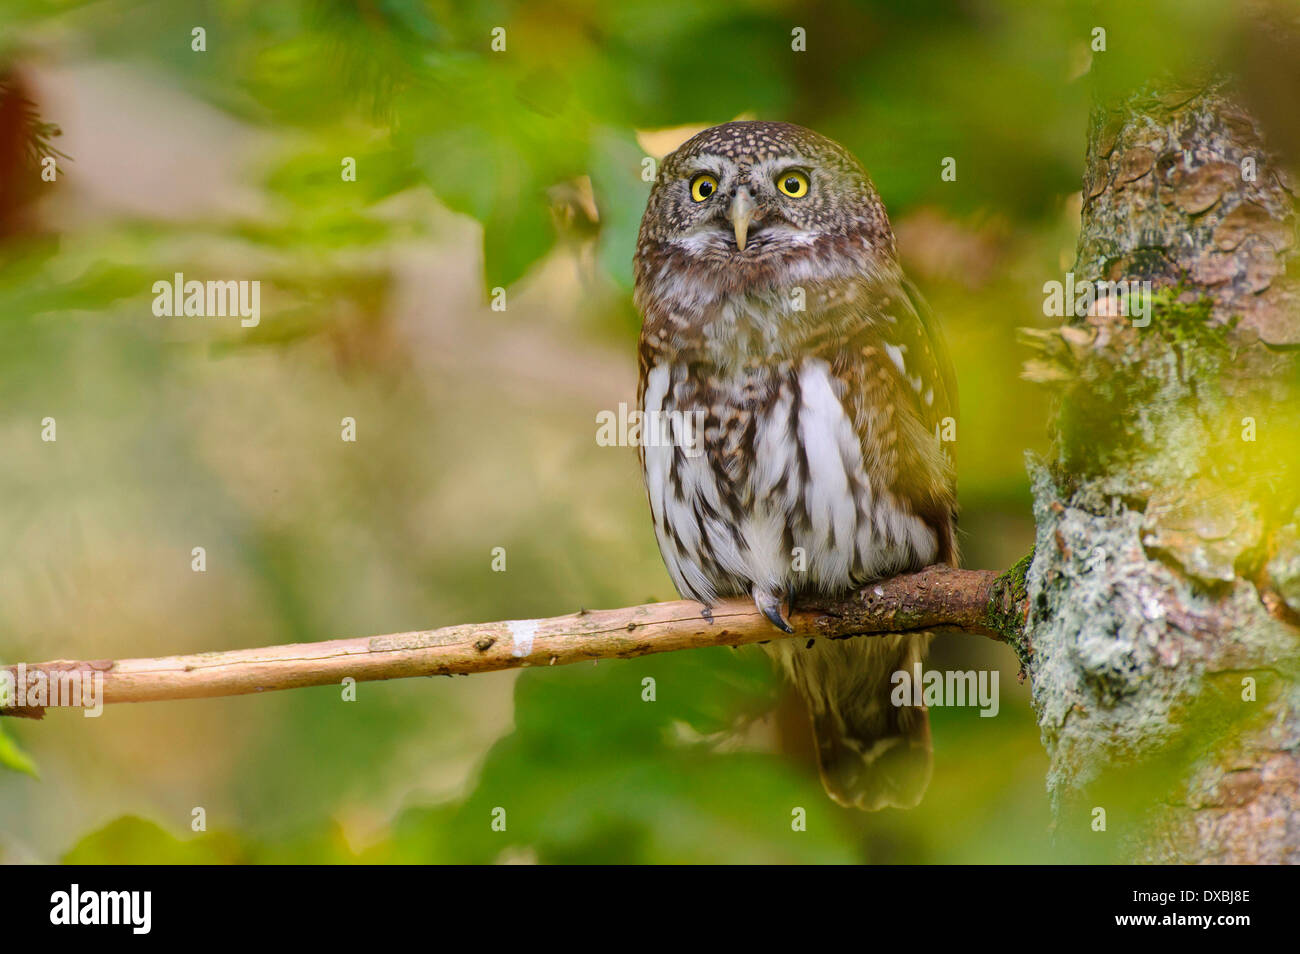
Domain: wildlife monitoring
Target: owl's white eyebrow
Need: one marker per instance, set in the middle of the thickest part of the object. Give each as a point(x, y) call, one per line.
point(709, 164)
point(783, 164)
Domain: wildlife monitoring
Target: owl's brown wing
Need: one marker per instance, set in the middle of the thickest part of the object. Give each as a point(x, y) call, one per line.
point(900, 392)
point(895, 382)
point(933, 360)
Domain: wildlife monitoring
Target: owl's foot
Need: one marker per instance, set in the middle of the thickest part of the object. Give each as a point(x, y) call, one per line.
point(706, 611)
point(770, 606)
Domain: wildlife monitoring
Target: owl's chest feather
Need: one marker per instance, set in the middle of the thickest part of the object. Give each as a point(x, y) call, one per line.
point(780, 494)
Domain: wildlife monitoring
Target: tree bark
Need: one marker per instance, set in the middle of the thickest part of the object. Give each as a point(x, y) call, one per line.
point(1164, 591)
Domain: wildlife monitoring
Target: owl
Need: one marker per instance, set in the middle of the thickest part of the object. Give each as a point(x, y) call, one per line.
point(777, 321)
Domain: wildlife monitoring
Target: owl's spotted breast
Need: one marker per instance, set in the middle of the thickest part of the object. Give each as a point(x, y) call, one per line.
point(785, 497)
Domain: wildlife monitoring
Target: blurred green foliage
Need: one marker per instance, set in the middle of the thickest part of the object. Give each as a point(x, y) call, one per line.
point(481, 435)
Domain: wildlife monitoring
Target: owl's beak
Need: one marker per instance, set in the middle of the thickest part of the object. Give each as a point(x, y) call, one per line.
point(742, 213)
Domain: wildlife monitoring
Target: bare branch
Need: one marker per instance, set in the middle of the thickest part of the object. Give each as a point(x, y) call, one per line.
point(939, 597)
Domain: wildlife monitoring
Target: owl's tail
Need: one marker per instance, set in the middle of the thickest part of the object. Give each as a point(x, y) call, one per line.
point(872, 753)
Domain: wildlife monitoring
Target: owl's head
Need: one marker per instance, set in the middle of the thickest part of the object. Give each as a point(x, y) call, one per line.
point(746, 196)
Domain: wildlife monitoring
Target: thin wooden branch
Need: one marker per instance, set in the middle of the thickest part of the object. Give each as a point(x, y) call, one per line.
point(939, 597)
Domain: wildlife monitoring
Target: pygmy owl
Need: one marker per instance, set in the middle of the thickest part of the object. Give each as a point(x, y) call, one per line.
point(777, 317)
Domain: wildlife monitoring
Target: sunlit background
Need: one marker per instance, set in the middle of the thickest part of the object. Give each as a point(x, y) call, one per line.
point(475, 169)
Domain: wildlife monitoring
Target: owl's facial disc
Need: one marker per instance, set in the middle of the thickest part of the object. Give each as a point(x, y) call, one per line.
point(748, 204)
point(737, 204)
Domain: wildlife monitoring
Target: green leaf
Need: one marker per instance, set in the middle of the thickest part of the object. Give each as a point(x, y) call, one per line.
point(12, 757)
point(131, 840)
point(621, 196)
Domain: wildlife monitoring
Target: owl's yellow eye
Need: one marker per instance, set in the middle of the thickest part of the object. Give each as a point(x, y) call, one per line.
point(793, 183)
point(703, 186)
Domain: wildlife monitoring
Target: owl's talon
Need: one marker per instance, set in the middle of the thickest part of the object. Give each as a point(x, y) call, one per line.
point(706, 612)
point(771, 607)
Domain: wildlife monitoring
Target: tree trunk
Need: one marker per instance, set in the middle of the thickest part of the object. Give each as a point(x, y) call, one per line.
point(1164, 592)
